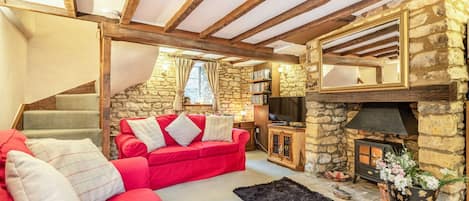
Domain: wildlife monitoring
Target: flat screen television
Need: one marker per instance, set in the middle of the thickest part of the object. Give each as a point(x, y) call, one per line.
point(287, 109)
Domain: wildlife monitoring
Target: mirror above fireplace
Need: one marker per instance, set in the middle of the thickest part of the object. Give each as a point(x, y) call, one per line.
point(373, 56)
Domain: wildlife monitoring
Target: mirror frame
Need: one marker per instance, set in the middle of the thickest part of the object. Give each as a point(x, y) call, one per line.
point(403, 17)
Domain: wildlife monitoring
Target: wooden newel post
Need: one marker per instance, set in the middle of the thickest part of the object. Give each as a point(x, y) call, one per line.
point(105, 93)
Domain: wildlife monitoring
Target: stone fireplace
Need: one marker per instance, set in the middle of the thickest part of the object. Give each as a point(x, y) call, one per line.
point(436, 56)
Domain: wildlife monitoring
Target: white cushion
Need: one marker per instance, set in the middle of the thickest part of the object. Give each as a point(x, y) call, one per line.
point(149, 132)
point(183, 130)
point(218, 128)
point(30, 179)
point(92, 176)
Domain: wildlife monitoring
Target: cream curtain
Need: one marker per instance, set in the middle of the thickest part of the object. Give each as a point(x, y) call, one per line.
point(212, 74)
point(183, 70)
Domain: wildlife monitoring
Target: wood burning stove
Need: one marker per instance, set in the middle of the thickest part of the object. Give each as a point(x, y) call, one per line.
point(367, 152)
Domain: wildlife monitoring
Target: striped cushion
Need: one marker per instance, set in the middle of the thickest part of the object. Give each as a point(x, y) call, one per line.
point(218, 128)
point(149, 132)
point(89, 172)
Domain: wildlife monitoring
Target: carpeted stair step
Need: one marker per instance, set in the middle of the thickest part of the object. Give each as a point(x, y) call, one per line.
point(77, 102)
point(66, 134)
point(60, 119)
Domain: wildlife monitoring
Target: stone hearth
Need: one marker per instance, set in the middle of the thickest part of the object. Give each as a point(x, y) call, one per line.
point(436, 53)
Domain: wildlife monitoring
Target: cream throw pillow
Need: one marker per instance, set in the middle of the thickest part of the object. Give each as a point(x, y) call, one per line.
point(30, 179)
point(92, 176)
point(218, 128)
point(183, 130)
point(149, 132)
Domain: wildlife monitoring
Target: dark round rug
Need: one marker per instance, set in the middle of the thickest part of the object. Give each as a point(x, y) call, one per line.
point(284, 189)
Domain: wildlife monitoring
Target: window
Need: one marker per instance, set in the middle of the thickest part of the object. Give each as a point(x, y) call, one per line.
point(198, 89)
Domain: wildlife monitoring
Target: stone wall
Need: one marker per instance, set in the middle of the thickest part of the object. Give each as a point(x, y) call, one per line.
point(156, 96)
point(293, 80)
point(436, 55)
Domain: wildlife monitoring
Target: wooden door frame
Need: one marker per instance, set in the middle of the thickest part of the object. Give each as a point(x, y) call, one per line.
point(105, 92)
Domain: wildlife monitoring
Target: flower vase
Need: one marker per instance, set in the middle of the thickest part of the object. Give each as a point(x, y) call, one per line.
point(412, 194)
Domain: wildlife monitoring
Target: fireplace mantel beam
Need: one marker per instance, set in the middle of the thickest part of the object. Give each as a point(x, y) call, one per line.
point(441, 92)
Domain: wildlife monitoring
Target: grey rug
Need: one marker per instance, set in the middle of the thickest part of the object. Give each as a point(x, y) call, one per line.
point(284, 189)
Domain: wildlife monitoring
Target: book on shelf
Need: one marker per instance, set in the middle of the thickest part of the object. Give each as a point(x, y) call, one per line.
point(259, 99)
point(263, 74)
point(260, 87)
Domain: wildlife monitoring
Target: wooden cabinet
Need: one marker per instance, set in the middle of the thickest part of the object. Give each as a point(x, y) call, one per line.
point(249, 126)
point(287, 146)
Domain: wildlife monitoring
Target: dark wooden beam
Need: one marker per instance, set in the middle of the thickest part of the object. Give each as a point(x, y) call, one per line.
point(240, 61)
point(128, 12)
point(372, 45)
point(389, 54)
point(35, 7)
point(364, 38)
point(232, 16)
point(156, 36)
point(336, 16)
point(380, 51)
point(71, 6)
point(297, 10)
point(441, 92)
point(183, 12)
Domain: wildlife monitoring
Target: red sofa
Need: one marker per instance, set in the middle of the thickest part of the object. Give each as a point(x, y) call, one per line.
point(134, 171)
point(175, 164)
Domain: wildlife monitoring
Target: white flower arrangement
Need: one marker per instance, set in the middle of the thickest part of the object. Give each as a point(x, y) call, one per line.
point(402, 171)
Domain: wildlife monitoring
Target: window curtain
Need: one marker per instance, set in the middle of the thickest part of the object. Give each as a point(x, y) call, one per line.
point(183, 70)
point(212, 74)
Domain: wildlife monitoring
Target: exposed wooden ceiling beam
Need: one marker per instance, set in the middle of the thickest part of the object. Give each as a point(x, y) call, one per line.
point(364, 38)
point(232, 16)
point(183, 12)
point(350, 61)
point(336, 16)
point(240, 61)
point(388, 54)
point(35, 7)
point(156, 36)
point(10, 16)
point(297, 10)
point(128, 12)
point(71, 6)
point(380, 51)
point(372, 45)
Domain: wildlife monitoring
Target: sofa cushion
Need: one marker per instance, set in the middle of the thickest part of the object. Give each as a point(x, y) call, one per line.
point(92, 176)
point(214, 148)
point(218, 128)
point(183, 130)
point(149, 132)
point(30, 179)
point(10, 140)
point(137, 194)
point(171, 154)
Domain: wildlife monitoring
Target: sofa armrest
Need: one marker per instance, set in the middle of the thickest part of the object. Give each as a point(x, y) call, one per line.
point(134, 172)
point(129, 146)
point(240, 136)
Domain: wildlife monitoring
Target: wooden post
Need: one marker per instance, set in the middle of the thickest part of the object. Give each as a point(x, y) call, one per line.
point(467, 148)
point(105, 93)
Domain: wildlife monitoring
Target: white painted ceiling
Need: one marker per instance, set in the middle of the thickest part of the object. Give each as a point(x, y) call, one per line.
point(156, 12)
point(256, 16)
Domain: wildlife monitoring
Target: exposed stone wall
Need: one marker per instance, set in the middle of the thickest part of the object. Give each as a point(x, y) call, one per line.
point(325, 141)
point(156, 96)
point(293, 80)
point(436, 55)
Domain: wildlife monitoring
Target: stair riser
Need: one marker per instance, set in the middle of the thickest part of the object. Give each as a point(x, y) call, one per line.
point(77, 102)
point(95, 137)
point(60, 120)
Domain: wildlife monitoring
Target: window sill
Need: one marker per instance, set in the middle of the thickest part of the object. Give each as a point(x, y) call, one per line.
point(198, 105)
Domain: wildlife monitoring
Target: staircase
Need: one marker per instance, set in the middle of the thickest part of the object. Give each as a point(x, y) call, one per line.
point(75, 116)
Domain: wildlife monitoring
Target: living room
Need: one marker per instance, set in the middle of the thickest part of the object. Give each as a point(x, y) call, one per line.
point(234, 100)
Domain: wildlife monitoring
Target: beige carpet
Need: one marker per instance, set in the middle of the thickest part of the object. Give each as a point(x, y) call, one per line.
point(258, 171)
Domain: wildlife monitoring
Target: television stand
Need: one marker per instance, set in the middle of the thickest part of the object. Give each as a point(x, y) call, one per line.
point(287, 146)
